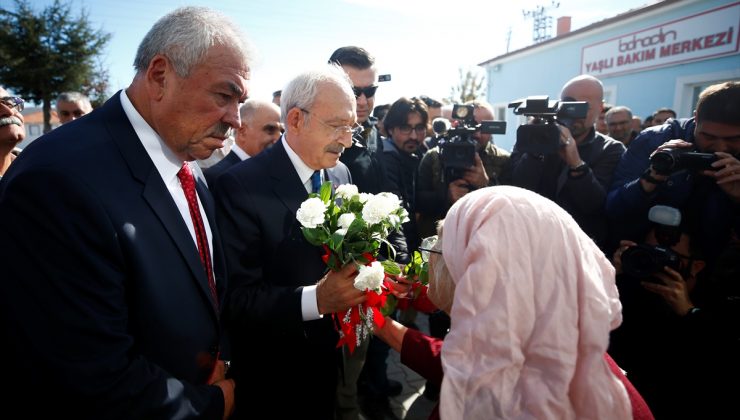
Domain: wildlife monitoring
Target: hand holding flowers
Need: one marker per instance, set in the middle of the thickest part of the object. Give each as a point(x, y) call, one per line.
point(352, 227)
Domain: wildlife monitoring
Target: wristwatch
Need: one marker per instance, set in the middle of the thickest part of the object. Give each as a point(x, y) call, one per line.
point(578, 170)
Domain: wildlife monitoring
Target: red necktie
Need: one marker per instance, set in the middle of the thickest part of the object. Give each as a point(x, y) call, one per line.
point(188, 185)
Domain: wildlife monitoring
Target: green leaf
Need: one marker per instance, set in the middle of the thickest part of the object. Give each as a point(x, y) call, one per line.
point(325, 191)
point(390, 267)
point(390, 305)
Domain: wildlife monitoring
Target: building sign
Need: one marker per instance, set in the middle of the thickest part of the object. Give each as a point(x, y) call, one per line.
point(709, 34)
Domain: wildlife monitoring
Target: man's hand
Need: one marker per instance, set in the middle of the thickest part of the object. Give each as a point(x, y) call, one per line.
point(218, 373)
point(673, 290)
point(227, 387)
point(617, 257)
point(568, 151)
point(401, 285)
point(336, 291)
point(648, 186)
point(476, 175)
point(457, 189)
point(728, 178)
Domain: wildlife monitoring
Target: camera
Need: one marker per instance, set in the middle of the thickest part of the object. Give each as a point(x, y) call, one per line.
point(642, 261)
point(457, 147)
point(541, 135)
point(671, 160)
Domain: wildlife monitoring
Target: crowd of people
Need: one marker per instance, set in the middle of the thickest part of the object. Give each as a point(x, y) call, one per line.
point(153, 266)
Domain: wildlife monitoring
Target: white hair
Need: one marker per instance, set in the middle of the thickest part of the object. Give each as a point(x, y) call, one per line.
point(185, 36)
point(303, 89)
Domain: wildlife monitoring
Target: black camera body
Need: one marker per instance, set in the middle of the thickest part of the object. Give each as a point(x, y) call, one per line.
point(457, 147)
point(672, 160)
point(642, 261)
point(541, 136)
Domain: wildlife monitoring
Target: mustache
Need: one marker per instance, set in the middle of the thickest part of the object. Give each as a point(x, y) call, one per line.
point(335, 148)
point(222, 130)
point(11, 120)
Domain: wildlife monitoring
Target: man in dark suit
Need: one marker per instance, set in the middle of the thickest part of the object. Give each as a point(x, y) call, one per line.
point(280, 296)
point(112, 277)
point(260, 129)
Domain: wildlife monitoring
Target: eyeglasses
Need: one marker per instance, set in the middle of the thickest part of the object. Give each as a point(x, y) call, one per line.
point(406, 129)
point(338, 132)
point(369, 91)
point(13, 102)
point(427, 246)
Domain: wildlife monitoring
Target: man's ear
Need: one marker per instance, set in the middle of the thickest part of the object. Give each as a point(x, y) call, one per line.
point(295, 120)
point(157, 75)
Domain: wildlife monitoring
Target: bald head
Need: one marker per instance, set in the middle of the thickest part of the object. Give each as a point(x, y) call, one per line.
point(584, 88)
point(261, 126)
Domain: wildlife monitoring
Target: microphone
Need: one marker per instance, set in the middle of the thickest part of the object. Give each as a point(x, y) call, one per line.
point(441, 125)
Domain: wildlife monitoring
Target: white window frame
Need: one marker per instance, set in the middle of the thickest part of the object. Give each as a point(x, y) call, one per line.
point(685, 85)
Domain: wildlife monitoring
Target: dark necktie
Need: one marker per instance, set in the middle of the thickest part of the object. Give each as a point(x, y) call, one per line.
point(316, 181)
point(188, 185)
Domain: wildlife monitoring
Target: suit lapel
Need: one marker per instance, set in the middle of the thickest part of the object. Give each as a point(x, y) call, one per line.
point(287, 184)
point(155, 192)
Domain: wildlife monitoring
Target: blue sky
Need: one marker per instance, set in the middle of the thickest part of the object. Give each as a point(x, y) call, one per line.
point(421, 43)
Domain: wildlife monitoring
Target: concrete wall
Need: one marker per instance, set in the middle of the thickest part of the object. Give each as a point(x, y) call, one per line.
point(543, 70)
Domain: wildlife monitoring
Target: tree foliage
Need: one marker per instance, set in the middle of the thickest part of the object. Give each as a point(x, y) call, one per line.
point(49, 53)
point(471, 86)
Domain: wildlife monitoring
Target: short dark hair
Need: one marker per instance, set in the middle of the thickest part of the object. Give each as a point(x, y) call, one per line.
point(431, 102)
point(668, 110)
point(720, 103)
point(277, 93)
point(398, 113)
point(380, 111)
point(352, 56)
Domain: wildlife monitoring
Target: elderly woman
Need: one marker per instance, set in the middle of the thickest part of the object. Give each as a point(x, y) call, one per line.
point(532, 300)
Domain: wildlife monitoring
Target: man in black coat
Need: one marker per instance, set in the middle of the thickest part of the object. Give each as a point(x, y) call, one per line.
point(113, 278)
point(280, 296)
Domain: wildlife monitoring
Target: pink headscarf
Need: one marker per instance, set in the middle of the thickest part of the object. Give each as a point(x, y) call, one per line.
point(534, 302)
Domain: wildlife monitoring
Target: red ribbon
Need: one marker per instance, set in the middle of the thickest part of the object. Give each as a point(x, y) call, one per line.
point(374, 301)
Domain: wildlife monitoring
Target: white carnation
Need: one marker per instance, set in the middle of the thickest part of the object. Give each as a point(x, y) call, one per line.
point(370, 277)
point(345, 220)
point(311, 213)
point(379, 207)
point(346, 191)
point(364, 197)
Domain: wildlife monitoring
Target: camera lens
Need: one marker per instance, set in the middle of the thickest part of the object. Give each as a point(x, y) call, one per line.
point(664, 161)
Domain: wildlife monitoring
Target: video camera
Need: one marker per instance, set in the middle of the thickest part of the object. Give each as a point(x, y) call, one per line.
point(643, 260)
point(671, 160)
point(457, 147)
point(541, 136)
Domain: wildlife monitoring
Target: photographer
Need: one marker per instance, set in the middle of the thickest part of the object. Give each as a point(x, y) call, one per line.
point(679, 328)
point(706, 190)
point(578, 175)
point(435, 194)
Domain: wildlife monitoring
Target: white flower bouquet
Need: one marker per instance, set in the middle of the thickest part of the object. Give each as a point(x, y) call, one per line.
point(351, 227)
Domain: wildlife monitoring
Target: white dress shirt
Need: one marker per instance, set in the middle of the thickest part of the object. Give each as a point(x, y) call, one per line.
point(309, 304)
point(168, 165)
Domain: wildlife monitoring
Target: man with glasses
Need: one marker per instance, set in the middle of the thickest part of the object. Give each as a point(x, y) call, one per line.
point(12, 130)
point(284, 353)
point(261, 128)
point(619, 123)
